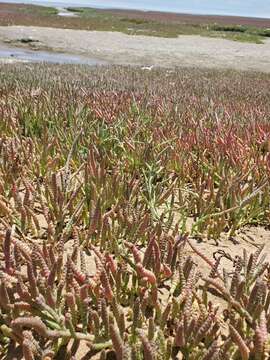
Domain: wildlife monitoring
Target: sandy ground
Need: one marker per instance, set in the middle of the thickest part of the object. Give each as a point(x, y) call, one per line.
point(118, 48)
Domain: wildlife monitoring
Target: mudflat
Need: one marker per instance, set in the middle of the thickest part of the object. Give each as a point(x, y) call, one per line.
point(119, 48)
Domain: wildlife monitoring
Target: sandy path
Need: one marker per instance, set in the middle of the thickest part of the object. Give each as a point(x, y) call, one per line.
point(119, 48)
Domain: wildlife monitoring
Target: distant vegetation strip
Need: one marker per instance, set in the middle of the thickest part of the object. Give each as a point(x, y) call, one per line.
point(137, 23)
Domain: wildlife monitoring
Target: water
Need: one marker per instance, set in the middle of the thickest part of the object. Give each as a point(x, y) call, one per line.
point(251, 8)
point(25, 55)
point(63, 12)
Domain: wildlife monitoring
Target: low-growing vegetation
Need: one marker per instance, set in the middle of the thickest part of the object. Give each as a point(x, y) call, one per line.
point(136, 22)
point(107, 177)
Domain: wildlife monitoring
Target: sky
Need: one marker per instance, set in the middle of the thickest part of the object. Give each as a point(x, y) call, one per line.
point(254, 8)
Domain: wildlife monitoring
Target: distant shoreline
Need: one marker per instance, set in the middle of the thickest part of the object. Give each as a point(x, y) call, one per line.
point(130, 10)
point(136, 22)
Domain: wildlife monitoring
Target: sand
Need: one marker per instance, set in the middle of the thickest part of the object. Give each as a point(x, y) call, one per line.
point(119, 48)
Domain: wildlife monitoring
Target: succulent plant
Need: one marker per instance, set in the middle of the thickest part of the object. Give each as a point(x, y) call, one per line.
point(97, 184)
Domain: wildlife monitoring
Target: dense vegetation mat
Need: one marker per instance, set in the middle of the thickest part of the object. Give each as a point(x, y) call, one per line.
point(106, 177)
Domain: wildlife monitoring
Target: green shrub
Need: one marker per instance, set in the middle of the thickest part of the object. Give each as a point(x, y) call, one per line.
point(229, 28)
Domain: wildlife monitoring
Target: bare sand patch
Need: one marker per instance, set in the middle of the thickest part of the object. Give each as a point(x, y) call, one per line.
point(119, 48)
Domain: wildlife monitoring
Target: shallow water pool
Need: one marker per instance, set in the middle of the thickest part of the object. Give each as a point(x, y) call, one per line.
point(25, 55)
